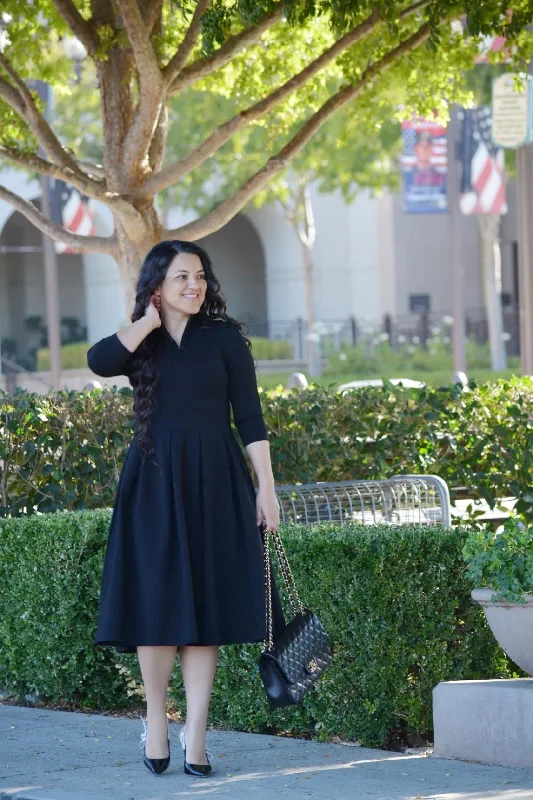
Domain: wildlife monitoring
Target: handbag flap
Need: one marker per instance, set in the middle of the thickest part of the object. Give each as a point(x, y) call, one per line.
point(302, 647)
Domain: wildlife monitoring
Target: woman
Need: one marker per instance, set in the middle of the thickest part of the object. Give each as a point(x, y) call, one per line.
point(184, 563)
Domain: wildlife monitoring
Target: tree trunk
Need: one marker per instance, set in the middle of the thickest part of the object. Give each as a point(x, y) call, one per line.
point(135, 239)
point(489, 225)
point(312, 338)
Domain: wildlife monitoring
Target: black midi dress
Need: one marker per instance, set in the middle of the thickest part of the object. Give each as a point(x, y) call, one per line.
point(184, 561)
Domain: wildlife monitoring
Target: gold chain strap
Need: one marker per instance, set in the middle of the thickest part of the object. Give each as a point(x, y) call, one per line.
point(288, 578)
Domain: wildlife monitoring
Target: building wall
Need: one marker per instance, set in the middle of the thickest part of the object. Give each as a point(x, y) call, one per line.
point(368, 259)
point(422, 256)
point(345, 259)
point(365, 228)
point(423, 259)
point(103, 290)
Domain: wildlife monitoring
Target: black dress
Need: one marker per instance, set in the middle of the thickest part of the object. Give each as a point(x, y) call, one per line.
point(184, 560)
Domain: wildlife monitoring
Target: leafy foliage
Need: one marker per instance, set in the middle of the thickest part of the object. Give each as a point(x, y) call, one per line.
point(64, 451)
point(395, 601)
point(74, 356)
point(375, 357)
point(502, 561)
point(123, 54)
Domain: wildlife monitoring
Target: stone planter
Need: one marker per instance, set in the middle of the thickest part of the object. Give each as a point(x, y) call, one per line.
point(511, 624)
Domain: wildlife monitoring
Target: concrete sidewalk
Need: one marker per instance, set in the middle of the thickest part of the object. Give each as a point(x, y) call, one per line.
point(60, 755)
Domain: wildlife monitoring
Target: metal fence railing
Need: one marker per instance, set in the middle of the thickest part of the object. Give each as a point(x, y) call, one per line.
point(400, 500)
point(416, 328)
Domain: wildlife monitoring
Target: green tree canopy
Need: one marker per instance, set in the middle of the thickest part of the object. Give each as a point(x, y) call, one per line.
point(273, 71)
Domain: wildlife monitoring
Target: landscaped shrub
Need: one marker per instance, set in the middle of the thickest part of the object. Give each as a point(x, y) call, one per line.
point(375, 357)
point(65, 450)
point(74, 356)
point(268, 349)
point(502, 561)
point(395, 601)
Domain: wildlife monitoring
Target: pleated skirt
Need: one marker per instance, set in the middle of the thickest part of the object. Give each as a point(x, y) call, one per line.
point(184, 561)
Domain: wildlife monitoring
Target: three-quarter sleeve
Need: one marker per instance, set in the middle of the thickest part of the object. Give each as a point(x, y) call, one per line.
point(242, 384)
point(109, 357)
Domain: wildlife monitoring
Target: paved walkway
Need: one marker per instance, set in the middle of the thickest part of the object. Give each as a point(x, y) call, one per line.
point(60, 755)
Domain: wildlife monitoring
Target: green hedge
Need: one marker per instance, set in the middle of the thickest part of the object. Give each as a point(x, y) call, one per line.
point(65, 450)
point(268, 349)
point(74, 356)
point(396, 602)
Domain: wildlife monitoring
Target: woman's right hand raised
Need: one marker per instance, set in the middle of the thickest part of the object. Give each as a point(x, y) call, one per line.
point(151, 313)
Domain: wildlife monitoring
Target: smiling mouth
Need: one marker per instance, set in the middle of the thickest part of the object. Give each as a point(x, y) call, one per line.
point(191, 296)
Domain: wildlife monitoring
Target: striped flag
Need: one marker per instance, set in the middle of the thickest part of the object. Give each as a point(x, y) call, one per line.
point(483, 174)
point(76, 217)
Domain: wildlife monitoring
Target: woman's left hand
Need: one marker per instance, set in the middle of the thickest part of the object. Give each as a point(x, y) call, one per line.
point(267, 507)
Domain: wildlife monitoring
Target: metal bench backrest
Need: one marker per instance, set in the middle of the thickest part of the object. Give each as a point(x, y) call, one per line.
point(400, 500)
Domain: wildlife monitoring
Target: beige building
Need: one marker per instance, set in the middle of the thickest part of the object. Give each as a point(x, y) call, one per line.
point(370, 259)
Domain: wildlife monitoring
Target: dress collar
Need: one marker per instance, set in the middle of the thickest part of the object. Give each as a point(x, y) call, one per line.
point(191, 321)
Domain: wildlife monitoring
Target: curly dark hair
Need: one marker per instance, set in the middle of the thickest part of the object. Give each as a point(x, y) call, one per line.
point(143, 374)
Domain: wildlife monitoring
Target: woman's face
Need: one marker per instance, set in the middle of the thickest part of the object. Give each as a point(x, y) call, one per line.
point(184, 286)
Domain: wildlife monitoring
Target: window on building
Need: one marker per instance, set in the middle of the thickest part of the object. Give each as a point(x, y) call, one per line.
point(419, 303)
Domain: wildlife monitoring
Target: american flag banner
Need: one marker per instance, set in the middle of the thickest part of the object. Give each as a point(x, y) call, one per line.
point(76, 215)
point(425, 167)
point(483, 164)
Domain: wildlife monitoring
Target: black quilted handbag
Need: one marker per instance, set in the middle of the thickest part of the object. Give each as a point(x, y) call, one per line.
point(292, 662)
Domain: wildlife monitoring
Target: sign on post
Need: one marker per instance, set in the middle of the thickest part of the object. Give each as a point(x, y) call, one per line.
point(512, 125)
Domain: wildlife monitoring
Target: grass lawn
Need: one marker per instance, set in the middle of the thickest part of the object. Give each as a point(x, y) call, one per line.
point(435, 379)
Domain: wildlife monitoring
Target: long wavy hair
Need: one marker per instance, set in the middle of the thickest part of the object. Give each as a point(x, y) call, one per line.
point(143, 373)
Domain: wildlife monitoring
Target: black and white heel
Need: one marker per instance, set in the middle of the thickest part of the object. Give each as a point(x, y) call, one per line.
point(197, 770)
point(155, 765)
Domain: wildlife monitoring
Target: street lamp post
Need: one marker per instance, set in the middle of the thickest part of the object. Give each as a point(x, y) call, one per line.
point(457, 270)
point(51, 278)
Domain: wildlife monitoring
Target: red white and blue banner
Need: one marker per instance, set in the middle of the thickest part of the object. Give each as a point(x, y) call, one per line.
point(424, 166)
point(483, 164)
point(76, 216)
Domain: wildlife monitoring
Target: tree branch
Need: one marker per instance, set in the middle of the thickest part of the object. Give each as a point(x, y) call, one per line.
point(205, 66)
point(224, 132)
point(139, 38)
point(85, 244)
point(21, 100)
point(31, 161)
point(90, 169)
point(407, 12)
point(226, 210)
point(84, 30)
point(153, 15)
point(146, 115)
point(12, 97)
point(178, 61)
point(156, 153)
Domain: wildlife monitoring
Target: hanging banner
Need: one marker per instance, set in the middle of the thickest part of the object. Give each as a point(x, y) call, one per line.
point(76, 216)
point(425, 167)
point(483, 164)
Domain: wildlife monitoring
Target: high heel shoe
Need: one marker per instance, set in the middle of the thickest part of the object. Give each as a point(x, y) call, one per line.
point(155, 765)
point(197, 770)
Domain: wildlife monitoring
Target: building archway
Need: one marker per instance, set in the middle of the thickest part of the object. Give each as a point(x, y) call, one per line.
point(22, 291)
point(239, 263)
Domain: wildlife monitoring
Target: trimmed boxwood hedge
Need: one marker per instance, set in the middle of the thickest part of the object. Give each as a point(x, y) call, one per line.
point(395, 600)
point(74, 355)
point(65, 450)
